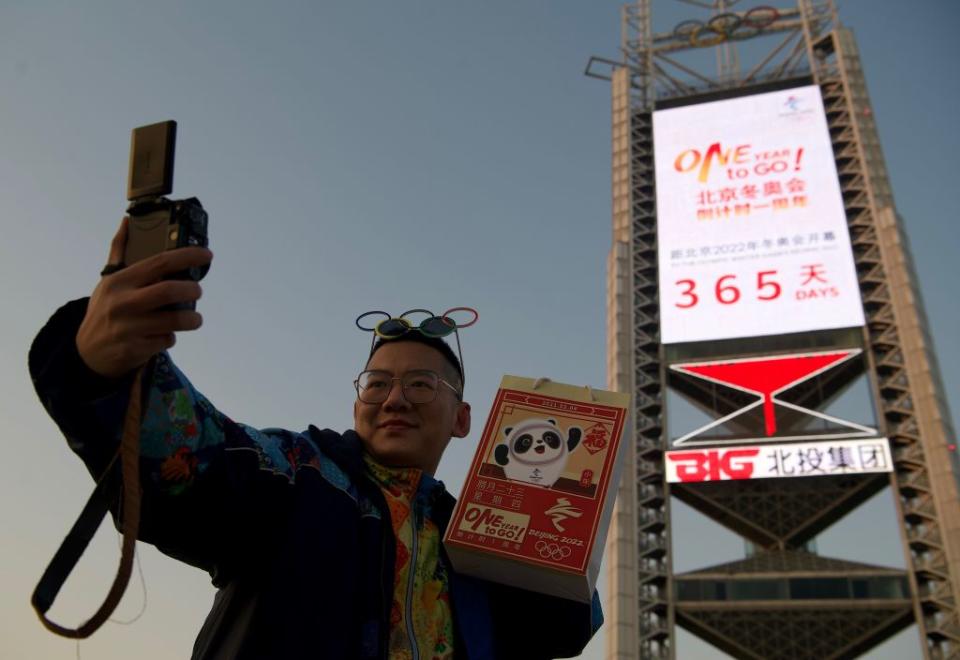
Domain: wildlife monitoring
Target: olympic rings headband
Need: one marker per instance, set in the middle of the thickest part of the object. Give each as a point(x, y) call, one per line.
point(429, 325)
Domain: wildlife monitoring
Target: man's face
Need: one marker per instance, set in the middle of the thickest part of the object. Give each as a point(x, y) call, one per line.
point(398, 433)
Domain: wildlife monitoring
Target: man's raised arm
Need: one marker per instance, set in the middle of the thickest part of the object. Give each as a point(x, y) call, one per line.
point(198, 496)
point(83, 361)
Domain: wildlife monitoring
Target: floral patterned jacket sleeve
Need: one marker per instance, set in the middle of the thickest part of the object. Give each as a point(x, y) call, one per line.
point(205, 477)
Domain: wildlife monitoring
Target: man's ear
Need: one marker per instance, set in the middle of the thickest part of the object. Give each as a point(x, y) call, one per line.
point(461, 423)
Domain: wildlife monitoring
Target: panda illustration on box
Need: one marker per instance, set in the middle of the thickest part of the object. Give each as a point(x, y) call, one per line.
point(535, 452)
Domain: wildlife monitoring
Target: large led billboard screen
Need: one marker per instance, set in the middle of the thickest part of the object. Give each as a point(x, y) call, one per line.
point(751, 229)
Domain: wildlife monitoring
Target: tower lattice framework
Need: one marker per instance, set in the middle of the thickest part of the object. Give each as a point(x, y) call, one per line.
point(644, 600)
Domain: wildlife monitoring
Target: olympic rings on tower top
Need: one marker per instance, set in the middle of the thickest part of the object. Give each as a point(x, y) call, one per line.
point(725, 27)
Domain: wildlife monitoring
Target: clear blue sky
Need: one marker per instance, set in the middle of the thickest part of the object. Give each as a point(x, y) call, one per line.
point(357, 156)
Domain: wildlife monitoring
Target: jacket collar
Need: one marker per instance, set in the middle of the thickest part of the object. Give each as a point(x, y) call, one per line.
point(346, 451)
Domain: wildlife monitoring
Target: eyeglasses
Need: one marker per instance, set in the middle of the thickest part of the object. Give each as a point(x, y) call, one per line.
point(421, 320)
point(419, 386)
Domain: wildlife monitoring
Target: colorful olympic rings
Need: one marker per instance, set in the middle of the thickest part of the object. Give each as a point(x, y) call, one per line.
point(761, 17)
point(725, 27)
point(431, 325)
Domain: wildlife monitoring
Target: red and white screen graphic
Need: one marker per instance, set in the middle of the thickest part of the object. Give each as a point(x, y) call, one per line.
point(766, 377)
point(751, 229)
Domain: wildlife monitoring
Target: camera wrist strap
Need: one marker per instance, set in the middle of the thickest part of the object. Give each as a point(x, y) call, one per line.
point(76, 541)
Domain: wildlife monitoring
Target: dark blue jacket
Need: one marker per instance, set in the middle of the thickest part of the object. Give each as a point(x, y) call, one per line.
point(295, 536)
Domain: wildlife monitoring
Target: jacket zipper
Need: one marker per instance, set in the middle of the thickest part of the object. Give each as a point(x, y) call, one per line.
point(408, 615)
point(386, 592)
point(384, 598)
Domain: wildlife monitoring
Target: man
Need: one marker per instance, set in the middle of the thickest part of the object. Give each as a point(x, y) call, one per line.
point(322, 545)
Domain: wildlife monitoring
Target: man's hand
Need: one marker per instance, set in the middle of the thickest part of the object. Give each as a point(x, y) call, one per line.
point(125, 324)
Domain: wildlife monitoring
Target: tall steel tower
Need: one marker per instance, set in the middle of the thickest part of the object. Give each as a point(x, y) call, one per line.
point(780, 458)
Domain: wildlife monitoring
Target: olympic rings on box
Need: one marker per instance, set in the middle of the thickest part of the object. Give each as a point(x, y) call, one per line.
point(552, 550)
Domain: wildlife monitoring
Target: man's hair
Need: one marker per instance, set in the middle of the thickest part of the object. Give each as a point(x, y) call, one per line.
point(433, 342)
